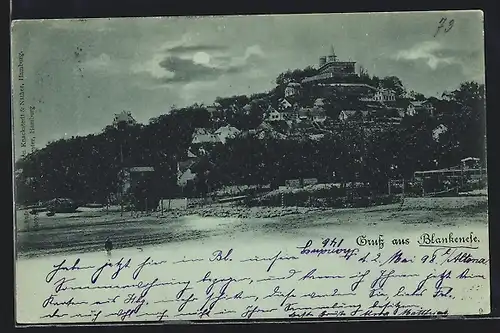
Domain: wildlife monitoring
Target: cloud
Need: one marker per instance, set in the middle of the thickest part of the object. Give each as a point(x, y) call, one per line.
point(186, 70)
point(427, 52)
point(179, 66)
point(152, 68)
point(438, 56)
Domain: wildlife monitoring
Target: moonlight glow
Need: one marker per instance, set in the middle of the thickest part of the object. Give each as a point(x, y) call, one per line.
point(201, 58)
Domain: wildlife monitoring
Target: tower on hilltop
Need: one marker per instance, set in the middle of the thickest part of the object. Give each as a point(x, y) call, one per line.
point(332, 57)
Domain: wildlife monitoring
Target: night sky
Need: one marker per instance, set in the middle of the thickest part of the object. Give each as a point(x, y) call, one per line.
point(80, 73)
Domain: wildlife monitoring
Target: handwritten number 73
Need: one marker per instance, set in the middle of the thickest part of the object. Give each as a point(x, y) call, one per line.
point(443, 25)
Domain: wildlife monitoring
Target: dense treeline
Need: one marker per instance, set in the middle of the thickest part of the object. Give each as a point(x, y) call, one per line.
point(87, 168)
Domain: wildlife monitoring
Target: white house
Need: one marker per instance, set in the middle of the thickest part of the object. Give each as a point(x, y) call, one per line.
point(184, 173)
point(436, 133)
point(381, 95)
point(227, 132)
point(284, 104)
point(203, 135)
point(416, 107)
point(314, 114)
point(184, 177)
point(273, 115)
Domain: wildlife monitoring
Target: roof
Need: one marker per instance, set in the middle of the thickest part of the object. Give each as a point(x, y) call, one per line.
point(349, 112)
point(265, 126)
point(469, 159)
point(293, 84)
point(227, 128)
point(184, 165)
point(202, 135)
point(386, 90)
point(227, 131)
point(285, 100)
point(319, 102)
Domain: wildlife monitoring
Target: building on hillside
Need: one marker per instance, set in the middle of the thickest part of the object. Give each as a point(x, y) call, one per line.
point(124, 117)
point(292, 89)
point(381, 95)
point(346, 115)
point(290, 115)
point(184, 173)
point(273, 115)
point(314, 114)
point(400, 105)
point(284, 104)
point(354, 90)
point(227, 132)
point(319, 103)
point(470, 163)
point(204, 136)
point(331, 69)
point(438, 131)
point(269, 130)
point(418, 107)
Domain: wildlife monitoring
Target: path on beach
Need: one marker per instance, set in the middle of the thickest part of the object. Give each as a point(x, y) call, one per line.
point(87, 230)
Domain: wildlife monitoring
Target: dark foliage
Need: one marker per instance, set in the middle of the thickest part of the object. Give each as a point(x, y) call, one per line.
point(86, 169)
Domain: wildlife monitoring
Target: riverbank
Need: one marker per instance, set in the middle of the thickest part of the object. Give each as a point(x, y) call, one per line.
point(87, 231)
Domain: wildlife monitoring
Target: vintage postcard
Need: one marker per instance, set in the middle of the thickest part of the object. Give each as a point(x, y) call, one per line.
point(250, 167)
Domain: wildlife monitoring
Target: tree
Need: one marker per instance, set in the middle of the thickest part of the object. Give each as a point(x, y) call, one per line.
point(296, 75)
point(393, 83)
point(417, 96)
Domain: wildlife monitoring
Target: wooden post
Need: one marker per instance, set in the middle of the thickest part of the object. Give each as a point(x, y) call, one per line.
point(389, 187)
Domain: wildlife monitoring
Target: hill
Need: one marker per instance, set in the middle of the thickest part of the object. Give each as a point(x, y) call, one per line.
point(353, 137)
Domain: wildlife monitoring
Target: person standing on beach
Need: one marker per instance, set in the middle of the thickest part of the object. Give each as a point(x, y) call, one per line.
point(108, 245)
